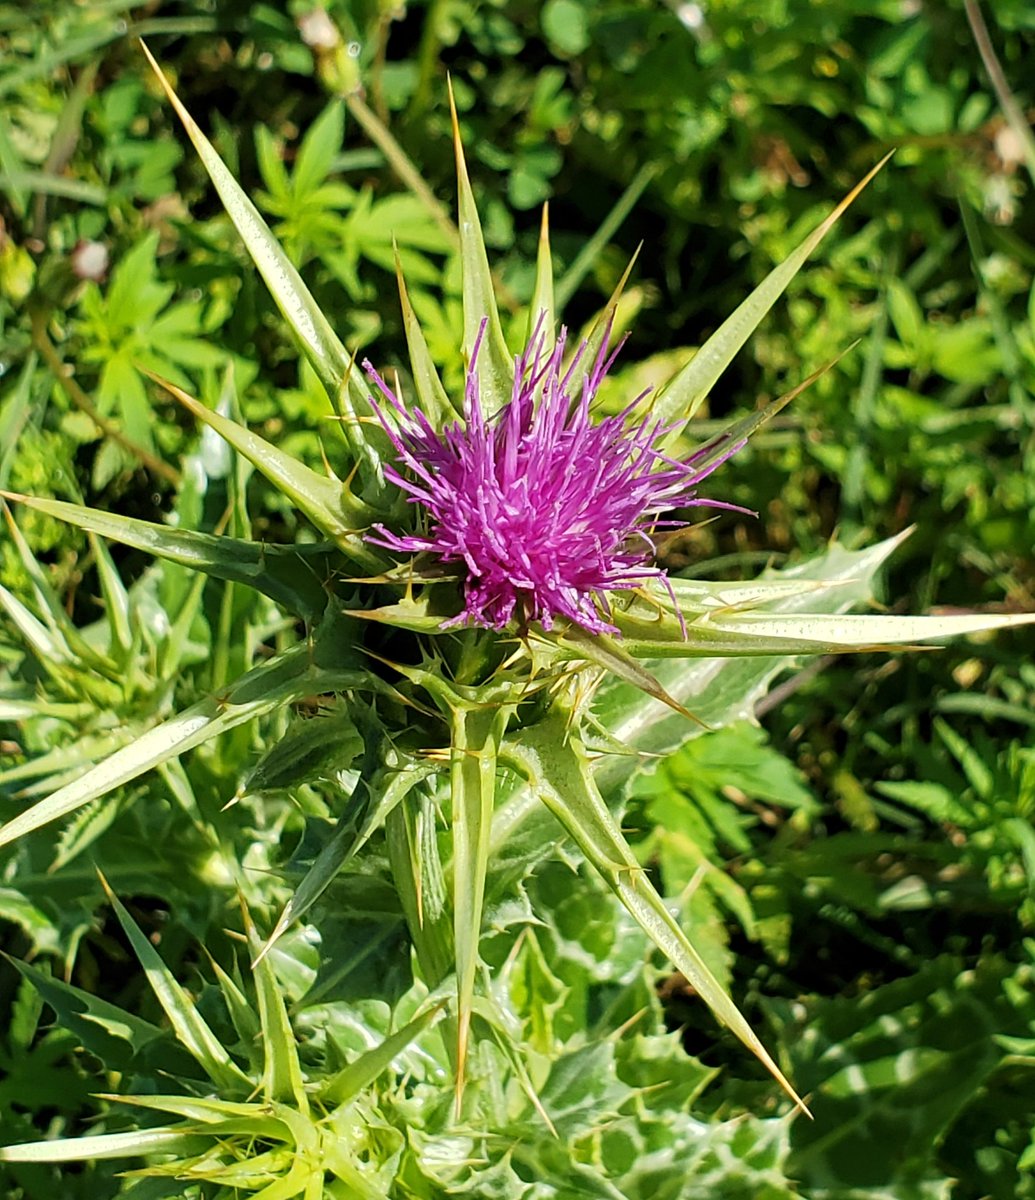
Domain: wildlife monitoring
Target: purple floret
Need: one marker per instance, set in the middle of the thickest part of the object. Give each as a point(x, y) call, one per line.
point(548, 508)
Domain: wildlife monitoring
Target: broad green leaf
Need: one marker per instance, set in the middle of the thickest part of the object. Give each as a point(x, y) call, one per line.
point(911, 1055)
point(190, 1027)
point(701, 594)
point(312, 748)
point(352, 831)
point(476, 734)
point(344, 1086)
point(417, 872)
point(291, 576)
point(683, 395)
point(316, 153)
point(495, 364)
point(719, 690)
point(115, 1036)
point(552, 760)
point(321, 345)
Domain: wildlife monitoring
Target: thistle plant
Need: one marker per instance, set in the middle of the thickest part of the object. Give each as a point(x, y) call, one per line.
point(484, 614)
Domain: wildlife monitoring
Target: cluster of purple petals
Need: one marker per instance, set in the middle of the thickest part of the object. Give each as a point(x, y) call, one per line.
point(548, 508)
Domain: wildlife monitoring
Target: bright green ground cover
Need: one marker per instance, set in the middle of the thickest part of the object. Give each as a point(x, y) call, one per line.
point(861, 872)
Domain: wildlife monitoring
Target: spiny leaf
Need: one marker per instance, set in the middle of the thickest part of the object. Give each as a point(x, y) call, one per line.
point(282, 1074)
point(188, 1024)
point(114, 1035)
point(541, 308)
point(291, 576)
point(321, 345)
point(433, 397)
point(261, 690)
point(116, 595)
point(328, 503)
point(551, 758)
point(751, 633)
point(609, 653)
point(351, 1080)
point(600, 330)
point(62, 629)
point(687, 390)
point(200, 1109)
point(353, 830)
point(735, 435)
point(132, 1144)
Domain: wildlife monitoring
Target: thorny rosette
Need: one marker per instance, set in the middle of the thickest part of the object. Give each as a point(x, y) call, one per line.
point(505, 640)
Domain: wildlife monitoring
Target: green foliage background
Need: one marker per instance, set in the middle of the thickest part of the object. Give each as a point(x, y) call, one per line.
point(861, 869)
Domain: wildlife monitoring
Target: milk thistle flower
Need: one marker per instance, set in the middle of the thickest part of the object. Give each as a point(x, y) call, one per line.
point(547, 507)
point(547, 514)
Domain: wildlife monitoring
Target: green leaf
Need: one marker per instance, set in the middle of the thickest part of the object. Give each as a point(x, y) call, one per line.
point(551, 758)
point(291, 576)
point(188, 1024)
point(542, 306)
point(720, 689)
point(115, 1036)
point(910, 1056)
point(360, 1074)
point(433, 397)
point(132, 1144)
point(261, 690)
point(318, 340)
point(611, 654)
point(751, 633)
point(328, 503)
point(353, 830)
point(282, 1073)
point(49, 604)
point(316, 154)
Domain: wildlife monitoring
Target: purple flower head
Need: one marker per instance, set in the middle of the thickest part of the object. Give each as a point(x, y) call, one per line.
point(548, 508)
